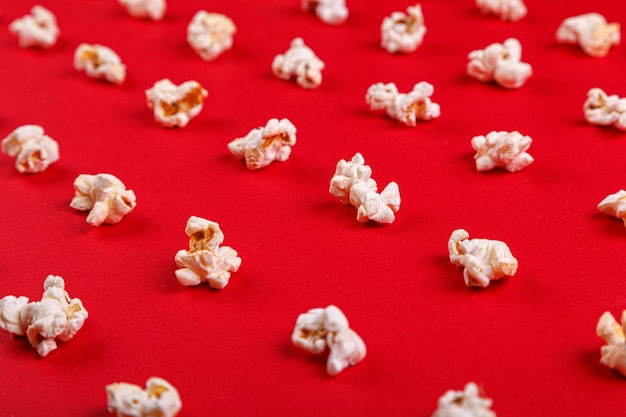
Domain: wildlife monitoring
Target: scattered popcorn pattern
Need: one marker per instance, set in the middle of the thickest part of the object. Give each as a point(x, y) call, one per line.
point(500, 62)
point(301, 63)
point(100, 62)
point(56, 316)
point(210, 34)
point(591, 32)
point(484, 260)
point(502, 149)
point(333, 12)
point(406, 108)
point(145, 9)
point(175, 105)
point(159, 399)
point(206, 260)
point(604, 110)
point(401, 32)
point(106, 197)
point(614, 205)
point(319, 328)
point(466, 403)
point(614, 352)
point(36, 30)
point(35, 151)
point(512, 10)
point(264, 145)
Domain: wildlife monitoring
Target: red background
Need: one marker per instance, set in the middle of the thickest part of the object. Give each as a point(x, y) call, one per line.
point(528, 340)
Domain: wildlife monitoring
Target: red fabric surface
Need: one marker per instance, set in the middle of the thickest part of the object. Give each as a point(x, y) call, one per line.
point(529, 340)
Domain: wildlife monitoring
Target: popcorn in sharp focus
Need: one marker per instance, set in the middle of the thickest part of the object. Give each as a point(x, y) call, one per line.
point(106, 197)
point(502, 149)
point(512, 10)
point(484, 260)
point(264, 145)
point(403, 32)
point(406, 108)
point(159, 399)
point(100, 62)
point(604, 110)
point(500, 62)
point(35, 151)
point(206, 260)
point(56, 316)
point(612, 332)
point(320, 328)
point(301, 63)
point(36, 30)
point(614, 205)
point(210, 34)
point(175, 105)
point(145, 9)
point(333, 12)
point(466, 403)
point(591, 32)
point(349, 173)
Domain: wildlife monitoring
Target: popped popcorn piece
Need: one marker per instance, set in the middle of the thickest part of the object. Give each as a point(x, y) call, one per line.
point(206, 260)
point(612, 332)
point(210, 34)
point(159, 399)
point(175, 105)
point(502, 149)
point(319, 328)
point(402, 32)
point(301, 63)
point(99, 62)
point(604, 110)
point(333, 12)
point(591, 32)
point(106, 197)
point(406, 108)
point(36, 30)
point(466, 403)
point(264, 145)
point(56, 316)
point(35, 151)
point(500, 62)
point(614, 205)
point(145, 9)
point(512, 10)
point(484, 260)
point(349, 173)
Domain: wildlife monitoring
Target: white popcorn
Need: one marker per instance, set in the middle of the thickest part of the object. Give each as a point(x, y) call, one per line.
point(37, 30)
point(500, 62)
point(301, 63)
point(206, 260)
point(264, 145)
point(210, 34)
point(319, 328)
point(591, 32)
point(502, 149)
point(512, 10)
point(56, 316)
point(614, 205)
point(35, 151)
point(406, 108)
point(159, 399)
point(175, 105)
point(348, 174)
point(604, 110)
point(614, 352)
point(333, 12)
point(99, 62)
point(466, 403)
point(106, 197)
point(484, 260)
point(403, 32)
point(145, 9)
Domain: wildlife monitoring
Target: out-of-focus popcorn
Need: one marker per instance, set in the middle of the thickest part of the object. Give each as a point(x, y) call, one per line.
point(614, 205)
point(99, 62)
point(106, 197)
point(301, 63)
point(175, 105)
point(591, 32)
point(500, 62)
point(348, 174)
point(466, 403)
point(35, 151)
point(604, 110)
point(145, 9)
point(36, 30)
point(210, 34)
point(264, 145)
point(56, 316)
point(206, 260)
point(484, 260)
point(333, 12)
point(159, 399)
point(406, 108)
point(502, 149)
point(512, 10)
point(612, 332)
point(320, 328)
point(403, 32)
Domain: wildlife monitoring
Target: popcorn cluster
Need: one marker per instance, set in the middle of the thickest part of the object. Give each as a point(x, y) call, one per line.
point(500, 62)
point(502, 149)
point(614, 205)
point(105, 196)
point(159, 399)
point(100, 62)
point(333, 12)
point(34, 150)
point(512, 10)
point(175, 105)
point(604, 110)
point(210, 34)
point(36, 30)
point(402, 32)
point(406, 108)
point(466, 403)
point(145, 9)
point(264, 145)
point(591, 32)
point(301, 63)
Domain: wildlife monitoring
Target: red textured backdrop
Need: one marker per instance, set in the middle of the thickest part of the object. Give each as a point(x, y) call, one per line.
point(529, 340)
